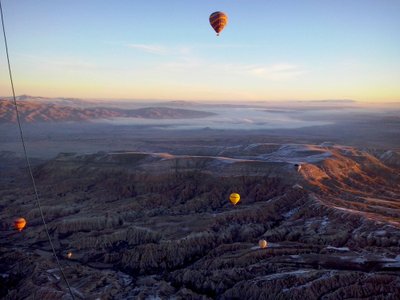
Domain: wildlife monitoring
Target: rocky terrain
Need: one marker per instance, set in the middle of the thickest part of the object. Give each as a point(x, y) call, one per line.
point(157, 225)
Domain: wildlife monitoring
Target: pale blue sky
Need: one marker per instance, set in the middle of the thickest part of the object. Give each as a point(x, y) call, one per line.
point(270, 50)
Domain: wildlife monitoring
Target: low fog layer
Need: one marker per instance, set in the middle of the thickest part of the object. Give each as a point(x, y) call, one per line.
point(181, 115)
point(163, 123)
point(247, 118)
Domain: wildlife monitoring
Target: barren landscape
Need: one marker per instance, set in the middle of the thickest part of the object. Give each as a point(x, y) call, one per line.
point(145, 211)
point(199, 150)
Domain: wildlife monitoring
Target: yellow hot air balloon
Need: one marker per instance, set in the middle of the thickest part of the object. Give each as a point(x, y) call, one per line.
point(218, 21)
point(263, 244)
point(234, 198)
point(19, 224)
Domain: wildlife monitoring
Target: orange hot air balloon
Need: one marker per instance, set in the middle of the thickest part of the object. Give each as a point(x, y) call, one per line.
point(19, 224)
point(234, 198)
point(263, 244)
point(218, 21)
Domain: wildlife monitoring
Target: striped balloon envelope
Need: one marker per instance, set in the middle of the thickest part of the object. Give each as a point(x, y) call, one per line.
point(218, 21)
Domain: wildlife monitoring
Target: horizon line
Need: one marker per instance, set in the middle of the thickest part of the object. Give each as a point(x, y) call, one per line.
point(326, 100)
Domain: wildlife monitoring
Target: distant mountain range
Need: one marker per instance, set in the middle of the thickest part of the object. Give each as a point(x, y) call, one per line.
point(39, 109)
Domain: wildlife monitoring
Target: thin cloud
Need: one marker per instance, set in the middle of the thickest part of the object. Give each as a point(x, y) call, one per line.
point(152, 49)
point(74, 63)
point(276, 71)
point(162, 50)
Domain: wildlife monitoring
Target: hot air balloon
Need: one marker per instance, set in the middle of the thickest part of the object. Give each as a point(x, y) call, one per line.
point(19, 224)
point(263, 244)
point(218, 21)
point(234, 198)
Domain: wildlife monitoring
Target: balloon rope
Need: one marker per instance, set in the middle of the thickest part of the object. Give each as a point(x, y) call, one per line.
point(27, 158)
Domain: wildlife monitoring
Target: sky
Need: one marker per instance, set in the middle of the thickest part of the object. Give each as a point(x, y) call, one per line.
point(159, 49)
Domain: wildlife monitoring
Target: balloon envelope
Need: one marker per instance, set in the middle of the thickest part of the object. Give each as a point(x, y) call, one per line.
point(19, 224)
point(234, 198)
point(218, 21)
point(263, 244)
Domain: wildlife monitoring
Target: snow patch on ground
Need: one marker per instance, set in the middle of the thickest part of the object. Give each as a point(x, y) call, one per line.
point(308, 284)
point(283, 275)
point(252, 146)
point(327, 144)
point(52, 272)
point(297, 154)
point(341, 249)
point(297, 186)
point(392, 265)
point(388, 155)
point(380, 233)
point(124, 279)
point(325, 222)
point(291, 212)
point(359, 260)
